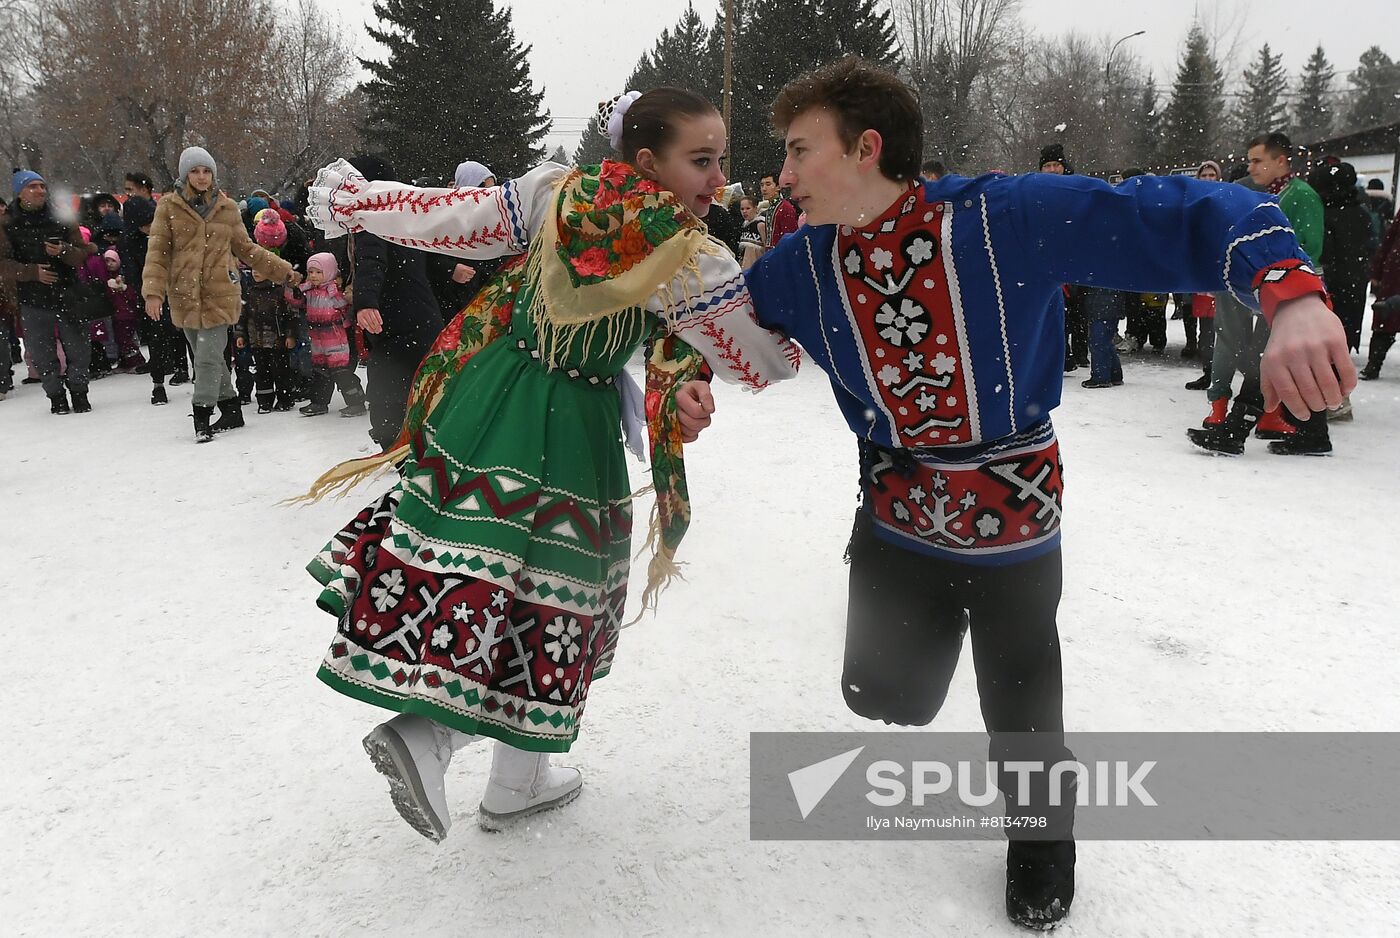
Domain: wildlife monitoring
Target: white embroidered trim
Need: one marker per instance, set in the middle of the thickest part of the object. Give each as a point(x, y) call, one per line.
point(1001, 312)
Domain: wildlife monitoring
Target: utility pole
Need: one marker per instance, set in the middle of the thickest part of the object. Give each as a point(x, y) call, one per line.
point(728, 79)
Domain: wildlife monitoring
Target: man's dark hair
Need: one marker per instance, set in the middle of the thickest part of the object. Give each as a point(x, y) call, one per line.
point(863, 97)
point(142, 180)
point(933, 168)
point(772, 176)
point(1277, 144)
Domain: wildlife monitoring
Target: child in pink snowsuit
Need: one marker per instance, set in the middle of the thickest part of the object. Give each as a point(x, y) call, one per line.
point(125, 305)
point(326, 319)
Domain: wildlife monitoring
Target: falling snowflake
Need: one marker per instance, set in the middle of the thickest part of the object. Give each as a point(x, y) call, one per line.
point(442, 637)
point(907, 324)
point(920, 250)
point(889, 375)
point(1060, 128)
point(944, 364)
point(882, 259)
point(387, 590)
point(564, 634)
point(989, 525)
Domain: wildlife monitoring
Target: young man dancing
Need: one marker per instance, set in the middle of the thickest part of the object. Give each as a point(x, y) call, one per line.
point(936, 309)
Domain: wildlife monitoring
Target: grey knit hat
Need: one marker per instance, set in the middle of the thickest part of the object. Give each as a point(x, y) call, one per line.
point(191, 157)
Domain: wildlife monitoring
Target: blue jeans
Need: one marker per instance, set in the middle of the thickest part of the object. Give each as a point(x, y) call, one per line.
point(1104, 364)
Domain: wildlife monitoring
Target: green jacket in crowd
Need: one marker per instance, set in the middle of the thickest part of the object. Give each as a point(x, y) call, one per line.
point(1303, 206)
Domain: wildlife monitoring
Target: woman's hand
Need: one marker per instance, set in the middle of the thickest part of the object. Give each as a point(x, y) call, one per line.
point(153, 308)
point(370, 321)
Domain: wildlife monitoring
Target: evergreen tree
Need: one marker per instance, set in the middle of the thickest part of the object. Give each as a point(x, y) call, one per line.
point(1377, 83)
point(781, 40)
point(1194, 115)
point(681, 58)
point(427, 111)
point(1313, 110)
point(1147, 137)
point(1261, 107)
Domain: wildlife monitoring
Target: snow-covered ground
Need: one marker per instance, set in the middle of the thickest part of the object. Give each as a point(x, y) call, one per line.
point(174, 768)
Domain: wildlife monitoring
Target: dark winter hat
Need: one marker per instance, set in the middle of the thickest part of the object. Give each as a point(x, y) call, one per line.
point(111, 224)
point(138, 211)
point(256, 204)
point(1052, 153)
point(1375, 185)
point(1343, 175)
point(374, 168)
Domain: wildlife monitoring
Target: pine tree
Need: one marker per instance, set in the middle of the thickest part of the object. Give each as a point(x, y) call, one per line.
point(1195, 113)
point(425, 113)
point(781, 40)
point(1147, 138)
point(681, 58)
point(1261, 107)
point(1377, 83)
point(1313, 111)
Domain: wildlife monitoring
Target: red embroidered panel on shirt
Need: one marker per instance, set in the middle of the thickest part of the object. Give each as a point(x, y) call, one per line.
point(896, 288)
point(1007, 503)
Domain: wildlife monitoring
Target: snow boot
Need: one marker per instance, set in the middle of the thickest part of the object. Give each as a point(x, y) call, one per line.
point(1218, 411)
point(158, 395)
point(1100, 383)
point(1274, 426)
point(523, 784)
point(1310, 438)
point(80, 403)
point(179, 378)
point(58, 404)
point(1227, 437)
point(1342, 412)
point(1201, 383)
point(230, 415)
point(314, 410)
point(202, 415)
point(413, 753)
point(357, 409)
point(1039, 882)
point(285, 402)
point(1190, 350)
point(265, 401)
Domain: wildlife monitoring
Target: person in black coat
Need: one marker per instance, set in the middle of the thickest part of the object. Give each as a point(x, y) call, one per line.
point(395, 306)
point(1346, 245)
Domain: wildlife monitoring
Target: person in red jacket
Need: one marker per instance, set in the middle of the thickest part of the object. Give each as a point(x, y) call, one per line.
point(781, 217)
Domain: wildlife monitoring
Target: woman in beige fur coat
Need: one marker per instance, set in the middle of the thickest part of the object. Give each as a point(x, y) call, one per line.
point(197, 239)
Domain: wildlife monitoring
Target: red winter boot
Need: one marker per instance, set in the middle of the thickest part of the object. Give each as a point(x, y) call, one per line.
point(1274, 426)
point(1218, 410)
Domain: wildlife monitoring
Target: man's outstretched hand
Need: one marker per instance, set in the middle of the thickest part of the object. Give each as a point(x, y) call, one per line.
point(1306, 366)
point(695, 404)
